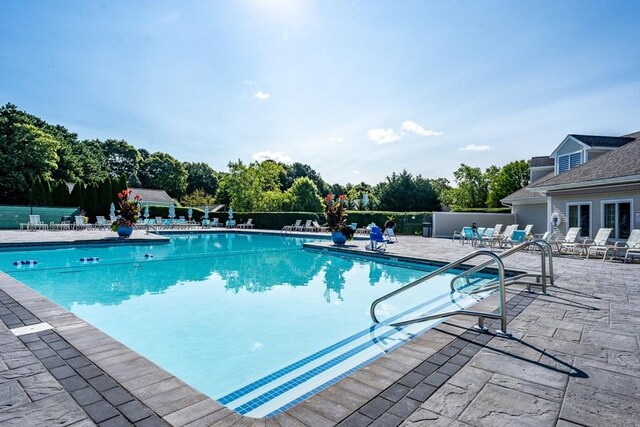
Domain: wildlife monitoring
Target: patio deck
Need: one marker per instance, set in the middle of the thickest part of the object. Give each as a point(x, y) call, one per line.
point(574, 359)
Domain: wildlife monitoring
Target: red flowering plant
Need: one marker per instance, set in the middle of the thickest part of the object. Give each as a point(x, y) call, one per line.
point(335, 213)
point(128, 212)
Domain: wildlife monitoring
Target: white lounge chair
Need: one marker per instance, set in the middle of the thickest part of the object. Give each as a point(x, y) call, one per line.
point(102, 223)
point(248, 224)
point(599, 244)
point(569, 241)
point(80, 224)
point(319, 227)
point(293, 227)
point(527, 230)
point(35, 223)
point(391, 235)
point(630, 248)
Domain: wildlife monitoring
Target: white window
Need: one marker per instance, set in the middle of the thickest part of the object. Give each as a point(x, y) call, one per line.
point(616, 214)
point(579, 215)
point(569, 161)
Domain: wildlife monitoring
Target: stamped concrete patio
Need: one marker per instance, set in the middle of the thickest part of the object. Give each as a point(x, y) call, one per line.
point(573, 360)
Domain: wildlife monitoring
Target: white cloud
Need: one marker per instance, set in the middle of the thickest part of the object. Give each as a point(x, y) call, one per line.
point(272, 155)
point(383, 136)
point(262, 95)
point(336, 139)
point(355, 172)
point(473, 147)
point(256, 346)
point(412, 127)
point(249, 82)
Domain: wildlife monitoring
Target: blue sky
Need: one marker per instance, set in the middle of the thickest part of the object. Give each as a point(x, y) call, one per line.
point(357, 90)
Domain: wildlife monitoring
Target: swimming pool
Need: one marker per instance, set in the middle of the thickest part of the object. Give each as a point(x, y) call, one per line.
point(253, 321)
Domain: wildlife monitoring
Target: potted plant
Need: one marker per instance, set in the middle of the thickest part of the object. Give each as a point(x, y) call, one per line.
point(127, 214)
point(335, 213)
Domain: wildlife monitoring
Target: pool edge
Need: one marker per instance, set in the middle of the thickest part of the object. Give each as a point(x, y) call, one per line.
point(377, 376)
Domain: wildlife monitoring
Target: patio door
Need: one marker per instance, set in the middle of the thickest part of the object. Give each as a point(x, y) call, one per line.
point(617, 215)
point(580, 216)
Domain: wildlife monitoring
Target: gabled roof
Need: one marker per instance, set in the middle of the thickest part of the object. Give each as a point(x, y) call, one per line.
point(541, 161)
point(148, 195)
point(524, 194)
point(615, 167)
point(603, 141)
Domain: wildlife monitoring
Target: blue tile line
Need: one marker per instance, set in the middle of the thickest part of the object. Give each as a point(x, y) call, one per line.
point(260, 400)
point(292, 367)
point(343, 375)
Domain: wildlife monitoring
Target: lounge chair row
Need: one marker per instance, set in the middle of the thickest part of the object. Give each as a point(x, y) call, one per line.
point(309, 225)
point(599, 246)
point(35, 223)
point(494, 236)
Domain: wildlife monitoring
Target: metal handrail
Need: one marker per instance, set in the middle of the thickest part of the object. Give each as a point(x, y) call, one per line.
point(481, 315)
point(546, 251)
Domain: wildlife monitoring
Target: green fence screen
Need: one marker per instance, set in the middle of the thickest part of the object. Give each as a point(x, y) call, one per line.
point(12, 216)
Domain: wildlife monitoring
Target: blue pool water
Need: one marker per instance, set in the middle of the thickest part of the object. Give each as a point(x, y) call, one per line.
point(253, 321)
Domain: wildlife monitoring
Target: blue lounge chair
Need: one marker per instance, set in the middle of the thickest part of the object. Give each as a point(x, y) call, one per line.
point(377, 242)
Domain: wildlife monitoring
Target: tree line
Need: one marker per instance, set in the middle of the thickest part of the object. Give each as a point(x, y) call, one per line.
point(38, 159)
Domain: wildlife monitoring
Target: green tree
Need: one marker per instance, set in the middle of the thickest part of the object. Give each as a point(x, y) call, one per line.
point(512, 177)
point(48, 192)
point(92, 161)
point(402, 192)
point(38, 196)
point(122, 158)
point(300, 170)
point(356, 193)
point(201, 176)
point(104, 197)
point(75, 198)
point(133, 181)
point(336, 189)
point(26, 152)
point(472, 190)
point(247, 184)
point(90, 197)
point(197, 198)
point(222, 193)
point(57, 193)
point(162, 171)
point(304, 196)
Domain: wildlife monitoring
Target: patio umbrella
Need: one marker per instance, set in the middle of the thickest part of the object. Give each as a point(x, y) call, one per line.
point(230, 213)
point(112, 211)
point(172, 211)
point(190, 213)
point(206, 212)
point(146, 211)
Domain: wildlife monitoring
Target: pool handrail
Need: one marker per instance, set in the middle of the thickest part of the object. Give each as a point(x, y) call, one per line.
point(546, 251)
point(502, 315)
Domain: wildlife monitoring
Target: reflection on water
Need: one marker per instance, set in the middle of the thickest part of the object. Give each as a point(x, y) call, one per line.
point(244, 263)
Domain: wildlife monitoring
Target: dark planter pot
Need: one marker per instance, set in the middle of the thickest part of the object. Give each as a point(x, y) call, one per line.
point(124, 231)
point(338, 238)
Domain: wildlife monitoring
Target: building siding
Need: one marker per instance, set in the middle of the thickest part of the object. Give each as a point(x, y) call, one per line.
point(559, 204)
point(570, 147)
point(445, 223)
point(535, 214)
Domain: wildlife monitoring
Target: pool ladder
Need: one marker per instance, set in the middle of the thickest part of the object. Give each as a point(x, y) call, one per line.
point(500, 284)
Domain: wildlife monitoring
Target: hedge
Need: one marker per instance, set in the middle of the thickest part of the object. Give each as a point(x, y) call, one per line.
point(406, 222)
point(485, 210)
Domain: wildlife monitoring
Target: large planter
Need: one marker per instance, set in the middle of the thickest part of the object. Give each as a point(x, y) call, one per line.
point(124, 231)
point(338, 238)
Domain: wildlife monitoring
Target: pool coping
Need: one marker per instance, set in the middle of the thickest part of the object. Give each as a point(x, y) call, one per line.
point(180, 404)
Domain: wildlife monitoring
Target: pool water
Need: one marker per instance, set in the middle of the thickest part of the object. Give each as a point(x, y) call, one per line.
point(254, 321)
